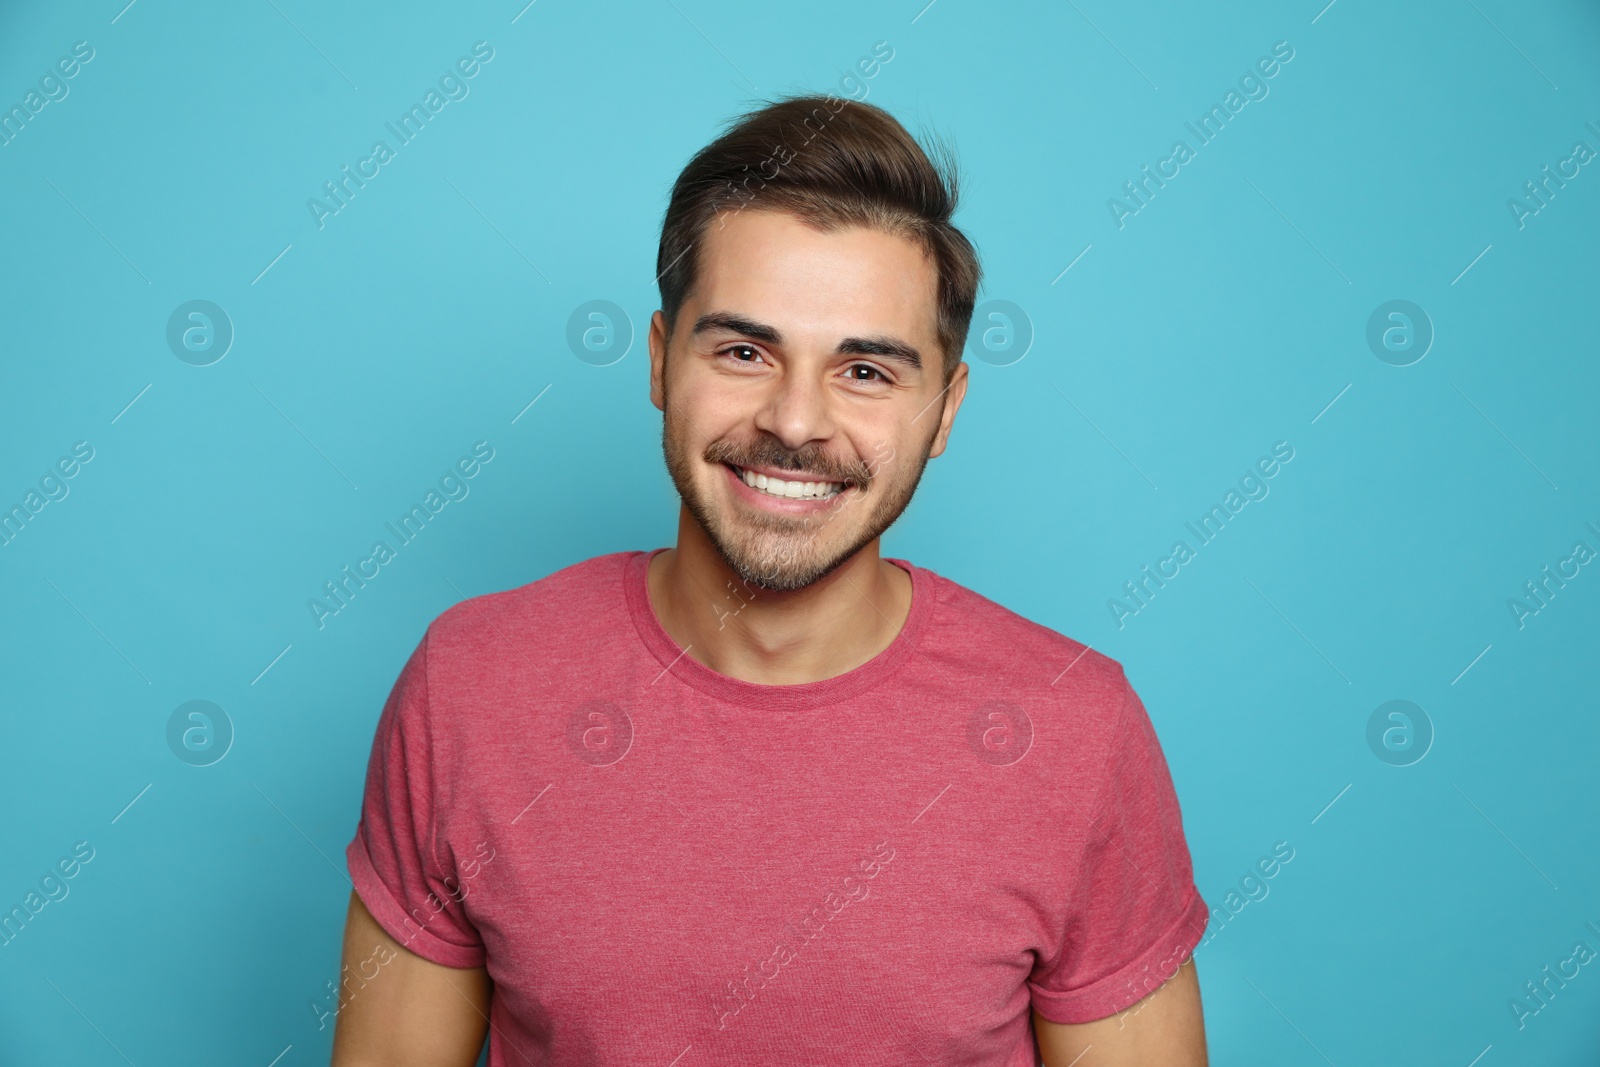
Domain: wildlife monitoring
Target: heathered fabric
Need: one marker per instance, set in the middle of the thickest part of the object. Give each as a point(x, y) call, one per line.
point(659, 864)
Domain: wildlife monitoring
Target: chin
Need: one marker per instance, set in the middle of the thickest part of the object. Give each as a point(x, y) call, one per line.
point(785, 561)
point(781, 579)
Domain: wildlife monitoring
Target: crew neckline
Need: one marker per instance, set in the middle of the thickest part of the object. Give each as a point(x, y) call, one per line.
point(756, 695)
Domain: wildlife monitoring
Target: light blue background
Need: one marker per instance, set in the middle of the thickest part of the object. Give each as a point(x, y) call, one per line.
point(1227, 315)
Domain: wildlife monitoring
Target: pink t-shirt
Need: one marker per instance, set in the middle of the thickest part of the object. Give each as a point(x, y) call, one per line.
point(659, 864)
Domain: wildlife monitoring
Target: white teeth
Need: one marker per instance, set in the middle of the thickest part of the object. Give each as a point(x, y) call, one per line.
point(791, 490)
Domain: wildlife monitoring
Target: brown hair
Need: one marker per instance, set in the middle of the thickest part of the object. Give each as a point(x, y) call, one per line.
point(833, 163)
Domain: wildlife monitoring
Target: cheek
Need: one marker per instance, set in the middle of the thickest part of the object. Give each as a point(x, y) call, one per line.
point(891, 443)
point(712, 405)
point(884, 447)
point(697, 416)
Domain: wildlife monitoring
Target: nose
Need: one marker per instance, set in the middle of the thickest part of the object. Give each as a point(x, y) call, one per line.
point(796, 411)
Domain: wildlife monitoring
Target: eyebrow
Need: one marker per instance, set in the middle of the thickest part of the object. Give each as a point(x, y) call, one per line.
point(883, 346)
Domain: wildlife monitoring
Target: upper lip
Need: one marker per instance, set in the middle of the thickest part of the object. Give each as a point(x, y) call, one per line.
point(792, 476)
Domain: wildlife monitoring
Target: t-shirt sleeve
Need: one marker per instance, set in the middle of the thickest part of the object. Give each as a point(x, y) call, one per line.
point(1134, 914)
point(393, 861)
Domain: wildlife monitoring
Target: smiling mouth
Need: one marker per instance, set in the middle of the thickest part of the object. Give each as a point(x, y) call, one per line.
point(788, 490)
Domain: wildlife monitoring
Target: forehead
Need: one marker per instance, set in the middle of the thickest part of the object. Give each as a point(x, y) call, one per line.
point(776, 268)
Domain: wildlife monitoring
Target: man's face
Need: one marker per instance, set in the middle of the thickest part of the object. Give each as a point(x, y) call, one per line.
point(807, 363)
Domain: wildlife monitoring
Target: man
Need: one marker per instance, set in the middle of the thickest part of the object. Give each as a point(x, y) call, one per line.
point(766, 797)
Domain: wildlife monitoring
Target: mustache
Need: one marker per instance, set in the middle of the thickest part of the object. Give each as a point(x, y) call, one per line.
point(767, 452)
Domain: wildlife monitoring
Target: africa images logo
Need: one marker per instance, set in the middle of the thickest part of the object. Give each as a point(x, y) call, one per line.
point(453, 486)
point(452, 87)
point(796, 935)
point(1140, 191)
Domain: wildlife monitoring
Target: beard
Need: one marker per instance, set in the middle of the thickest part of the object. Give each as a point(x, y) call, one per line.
point(787, 552)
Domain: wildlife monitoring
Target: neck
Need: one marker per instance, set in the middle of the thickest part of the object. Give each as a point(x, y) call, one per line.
point(776, 638)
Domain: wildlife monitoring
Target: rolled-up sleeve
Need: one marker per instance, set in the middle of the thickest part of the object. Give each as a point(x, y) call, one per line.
point(393, 861)
point(1134, 914)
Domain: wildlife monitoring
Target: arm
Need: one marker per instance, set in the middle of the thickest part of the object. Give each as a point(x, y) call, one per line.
point(1165, 1027)
point(412, 1012)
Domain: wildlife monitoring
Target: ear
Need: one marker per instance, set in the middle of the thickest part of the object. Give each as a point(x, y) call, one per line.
point(658, 360)
point(954, 393)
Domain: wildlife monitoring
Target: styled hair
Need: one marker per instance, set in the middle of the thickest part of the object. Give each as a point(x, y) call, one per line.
point(832, 163)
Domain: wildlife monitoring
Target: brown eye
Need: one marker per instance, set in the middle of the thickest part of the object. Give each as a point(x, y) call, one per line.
point(737, 351)
point(864, 372)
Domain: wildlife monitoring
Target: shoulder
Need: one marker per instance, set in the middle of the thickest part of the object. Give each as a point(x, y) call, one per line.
point(564, 604)
point(988, 638)
point(1061, 716)
point(489, 665)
